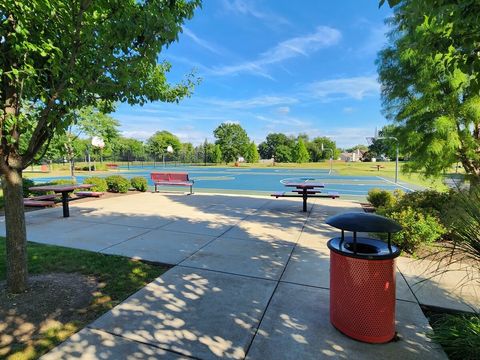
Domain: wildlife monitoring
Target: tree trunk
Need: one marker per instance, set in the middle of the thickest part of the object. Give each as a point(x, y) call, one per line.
point(17, 273)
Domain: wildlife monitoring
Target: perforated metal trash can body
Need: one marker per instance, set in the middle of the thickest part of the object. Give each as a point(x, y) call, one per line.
point(362, 287)
point(362, 297)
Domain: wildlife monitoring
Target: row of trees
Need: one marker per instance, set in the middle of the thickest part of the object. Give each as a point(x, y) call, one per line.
point(231, 142)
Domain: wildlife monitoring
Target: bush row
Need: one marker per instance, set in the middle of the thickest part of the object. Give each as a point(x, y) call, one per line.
point(117, 183)
point(114, 183)
point(422, 214)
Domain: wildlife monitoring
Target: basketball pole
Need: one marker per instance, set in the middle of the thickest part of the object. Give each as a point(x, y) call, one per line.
point(370, 141)
point(396, 164)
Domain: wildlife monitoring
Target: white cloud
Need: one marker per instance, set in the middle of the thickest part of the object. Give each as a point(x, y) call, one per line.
point(287, 121)
point(248, 8)
point(283, 110)
point(323, 37)
point(137, 134)
point(354, 87)
point(255, 102)
point(203, 43)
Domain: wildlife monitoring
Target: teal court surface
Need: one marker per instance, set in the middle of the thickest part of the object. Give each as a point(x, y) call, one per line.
point(261, 181)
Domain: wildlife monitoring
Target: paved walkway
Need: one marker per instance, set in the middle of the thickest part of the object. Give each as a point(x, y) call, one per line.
point(251, 281)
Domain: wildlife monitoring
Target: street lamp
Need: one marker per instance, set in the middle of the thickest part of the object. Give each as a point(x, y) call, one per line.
point(331, 158)
point(396, 156)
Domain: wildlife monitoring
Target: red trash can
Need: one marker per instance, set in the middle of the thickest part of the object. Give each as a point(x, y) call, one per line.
point(362, 278)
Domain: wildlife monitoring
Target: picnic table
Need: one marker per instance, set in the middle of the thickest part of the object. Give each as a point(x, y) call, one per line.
point(305, 189)
point(378, 167)
point(61, 189)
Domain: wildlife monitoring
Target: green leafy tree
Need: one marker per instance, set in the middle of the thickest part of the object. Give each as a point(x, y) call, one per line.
point(158, 143)
point(216, 154)
point(85, 122)
point(269, 148)
point(252, 156)
point(300, 153)
point(65, 55)
point(283, 154)
point(233, 141)
point(127, 149)
point(447, 32)
point(317, 149)
point(187, 153)
point(435, 113)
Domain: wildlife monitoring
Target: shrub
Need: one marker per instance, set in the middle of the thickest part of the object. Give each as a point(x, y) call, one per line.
point(459, 336)
point(100, 184)
point(117, 184)
point(380, 198)
point(139, 183)
point(418, 228)
point(63, 182)
point(427, 201)
point(27, 183)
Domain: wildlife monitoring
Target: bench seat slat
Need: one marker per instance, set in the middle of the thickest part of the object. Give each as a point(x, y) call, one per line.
point(89, 193)
point(38, 203)
point(43, 197)
point(179, 183)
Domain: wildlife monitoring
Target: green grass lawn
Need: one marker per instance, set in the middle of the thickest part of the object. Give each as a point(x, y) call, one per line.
point(119, 276)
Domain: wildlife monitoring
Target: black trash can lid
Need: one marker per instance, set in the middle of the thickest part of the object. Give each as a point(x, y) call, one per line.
point(364, 222)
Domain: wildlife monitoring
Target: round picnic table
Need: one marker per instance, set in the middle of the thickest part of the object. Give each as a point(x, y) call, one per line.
point(61, 189)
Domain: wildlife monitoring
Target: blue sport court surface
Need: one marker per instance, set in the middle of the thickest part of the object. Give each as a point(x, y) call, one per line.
point(257, 181)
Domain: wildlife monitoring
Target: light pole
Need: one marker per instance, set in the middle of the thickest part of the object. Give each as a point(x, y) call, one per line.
point(331, 158)
point(396, 154)
point(169, 150)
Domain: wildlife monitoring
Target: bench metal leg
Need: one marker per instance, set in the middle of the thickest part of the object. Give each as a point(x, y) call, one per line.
point(66, 210)
point(305, 200)
point(191, 189)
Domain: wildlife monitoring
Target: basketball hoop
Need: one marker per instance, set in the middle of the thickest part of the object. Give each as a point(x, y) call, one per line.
point(370, 139)
point(98, 142)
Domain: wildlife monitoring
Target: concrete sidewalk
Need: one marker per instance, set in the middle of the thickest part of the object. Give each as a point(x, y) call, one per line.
point(251, 281)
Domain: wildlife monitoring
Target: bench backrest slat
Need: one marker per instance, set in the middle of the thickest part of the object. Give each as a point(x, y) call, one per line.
point(164, 176)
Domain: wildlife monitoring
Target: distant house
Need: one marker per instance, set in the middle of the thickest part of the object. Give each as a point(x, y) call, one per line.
point(357, 155)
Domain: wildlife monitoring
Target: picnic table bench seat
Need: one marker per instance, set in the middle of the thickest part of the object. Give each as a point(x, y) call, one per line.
point(43, 197)
point(89, 193)
point(40, 200)
point(38, 203)
point(171, 179)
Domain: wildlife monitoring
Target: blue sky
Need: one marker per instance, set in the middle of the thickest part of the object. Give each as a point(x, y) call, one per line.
point(273, 66)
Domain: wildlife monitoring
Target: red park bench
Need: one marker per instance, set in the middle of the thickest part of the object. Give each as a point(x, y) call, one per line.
point(171, 179)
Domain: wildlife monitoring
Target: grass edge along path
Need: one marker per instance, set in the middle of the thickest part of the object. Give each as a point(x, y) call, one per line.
point(119, 278)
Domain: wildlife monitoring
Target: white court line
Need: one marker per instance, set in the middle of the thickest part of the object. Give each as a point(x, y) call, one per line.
point(397, 184)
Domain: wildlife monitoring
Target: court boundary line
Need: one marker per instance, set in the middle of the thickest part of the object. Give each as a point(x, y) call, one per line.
point(396, 184)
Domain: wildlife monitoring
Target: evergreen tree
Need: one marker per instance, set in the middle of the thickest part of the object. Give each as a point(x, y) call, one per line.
point(300, 152)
